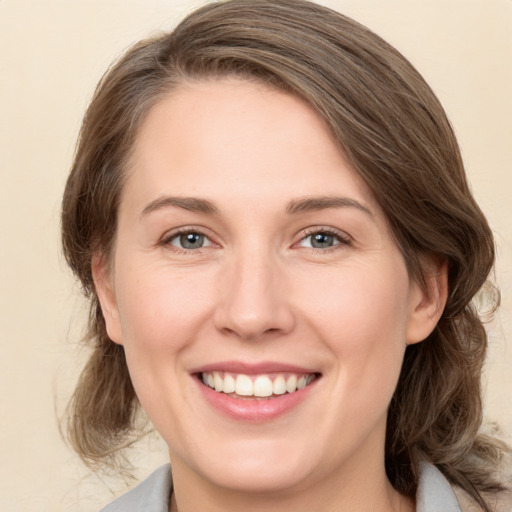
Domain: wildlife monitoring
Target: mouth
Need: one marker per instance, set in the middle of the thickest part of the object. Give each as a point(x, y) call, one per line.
point(256, 392)
point(263, 386)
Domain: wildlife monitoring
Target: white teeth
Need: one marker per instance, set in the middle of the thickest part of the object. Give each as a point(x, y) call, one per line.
point(291, 384)
point(243, 386)
point(279, 386)
point(261, 386)
point(218, 381)
point(229, 384)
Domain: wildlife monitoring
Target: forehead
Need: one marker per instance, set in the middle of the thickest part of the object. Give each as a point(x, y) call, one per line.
point(236, 138)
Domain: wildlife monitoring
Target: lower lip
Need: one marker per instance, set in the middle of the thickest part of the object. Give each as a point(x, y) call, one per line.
point(255, 411)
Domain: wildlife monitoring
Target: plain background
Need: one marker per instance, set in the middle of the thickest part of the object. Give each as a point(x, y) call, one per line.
point(52, 54)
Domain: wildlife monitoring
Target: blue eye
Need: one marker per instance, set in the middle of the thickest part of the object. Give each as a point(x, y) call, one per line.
point(322, 240)
point(189, 240)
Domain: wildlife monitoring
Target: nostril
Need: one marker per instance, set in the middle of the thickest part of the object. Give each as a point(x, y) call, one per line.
point(252, 323)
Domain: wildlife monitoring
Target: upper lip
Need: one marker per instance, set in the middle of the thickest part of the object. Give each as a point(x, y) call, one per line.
point(251, 368)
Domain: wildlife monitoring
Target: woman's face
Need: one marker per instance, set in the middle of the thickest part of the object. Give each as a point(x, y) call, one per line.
point(250, 256)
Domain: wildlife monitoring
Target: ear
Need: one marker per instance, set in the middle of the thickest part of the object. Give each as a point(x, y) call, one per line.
point(427, 303)
point(103, 282)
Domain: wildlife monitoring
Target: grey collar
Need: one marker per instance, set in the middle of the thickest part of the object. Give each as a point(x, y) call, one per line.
point(435, 493)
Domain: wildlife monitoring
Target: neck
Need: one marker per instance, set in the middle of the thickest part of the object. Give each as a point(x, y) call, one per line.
point(336, 493)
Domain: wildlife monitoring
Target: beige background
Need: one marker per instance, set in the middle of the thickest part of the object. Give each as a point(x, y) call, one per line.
point(51, 55)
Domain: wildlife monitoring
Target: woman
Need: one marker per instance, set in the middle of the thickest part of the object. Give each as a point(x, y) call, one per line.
point(269, 213)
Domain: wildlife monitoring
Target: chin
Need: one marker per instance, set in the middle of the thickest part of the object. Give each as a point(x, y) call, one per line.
point(262, 466)
point(259, 476)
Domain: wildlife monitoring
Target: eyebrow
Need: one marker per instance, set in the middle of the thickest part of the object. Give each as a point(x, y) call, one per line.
point(311, 204)
point(192, 204)
point(307, 204)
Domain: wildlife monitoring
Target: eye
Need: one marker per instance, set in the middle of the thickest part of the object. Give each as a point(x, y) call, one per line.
point(323, 239)
point(189, 240)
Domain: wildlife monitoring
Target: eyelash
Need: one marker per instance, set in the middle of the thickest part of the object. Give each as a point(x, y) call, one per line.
point(342, 238)
point(168, 239)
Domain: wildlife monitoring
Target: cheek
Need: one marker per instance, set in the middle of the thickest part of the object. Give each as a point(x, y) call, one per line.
point(362, 317)
point(161, 313)
point(357, 300)
point(160, 307)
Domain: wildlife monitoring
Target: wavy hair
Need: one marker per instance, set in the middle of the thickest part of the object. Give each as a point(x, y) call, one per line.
point(396, 135)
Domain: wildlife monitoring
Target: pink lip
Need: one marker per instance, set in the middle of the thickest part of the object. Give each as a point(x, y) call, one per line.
point(253, 410)
point(247, 368)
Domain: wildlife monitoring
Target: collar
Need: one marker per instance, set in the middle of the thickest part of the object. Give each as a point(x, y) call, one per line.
point(435, 493)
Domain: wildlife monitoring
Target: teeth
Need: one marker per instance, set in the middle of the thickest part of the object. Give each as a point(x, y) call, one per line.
point(291, 384)
point(261, 386)
point(229, 384)
point(243, 386)
point(218, 381)
point(279, 386)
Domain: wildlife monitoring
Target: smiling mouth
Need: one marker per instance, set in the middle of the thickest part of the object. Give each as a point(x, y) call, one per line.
point(256, 387)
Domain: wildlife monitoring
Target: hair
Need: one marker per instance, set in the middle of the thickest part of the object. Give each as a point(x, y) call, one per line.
point(395, 134)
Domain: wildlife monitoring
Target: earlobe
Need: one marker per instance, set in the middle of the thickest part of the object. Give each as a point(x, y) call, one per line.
point(428, 303)
point(103, 283)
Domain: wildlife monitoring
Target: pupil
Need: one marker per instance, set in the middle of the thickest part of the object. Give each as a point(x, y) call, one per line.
point(322, 240)
point(191, 240)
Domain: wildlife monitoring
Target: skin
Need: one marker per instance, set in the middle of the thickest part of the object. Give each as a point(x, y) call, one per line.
point(258, 290)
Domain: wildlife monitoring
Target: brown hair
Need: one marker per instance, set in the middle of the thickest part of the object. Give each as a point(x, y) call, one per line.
point(396, 135)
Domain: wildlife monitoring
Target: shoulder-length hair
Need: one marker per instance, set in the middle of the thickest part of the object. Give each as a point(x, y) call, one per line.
point(395, 134)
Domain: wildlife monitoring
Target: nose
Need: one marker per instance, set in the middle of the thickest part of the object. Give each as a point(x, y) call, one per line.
point(254, 300)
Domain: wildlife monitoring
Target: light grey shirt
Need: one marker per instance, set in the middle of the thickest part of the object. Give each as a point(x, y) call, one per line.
point(152, 495)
